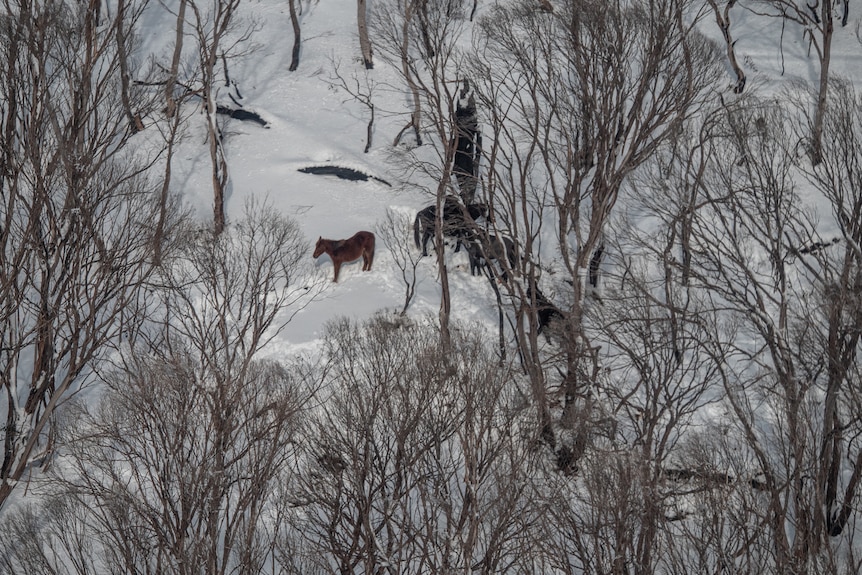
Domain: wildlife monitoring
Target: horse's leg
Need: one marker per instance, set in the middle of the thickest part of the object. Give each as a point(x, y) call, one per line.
point(476, 263)
point(337, 265)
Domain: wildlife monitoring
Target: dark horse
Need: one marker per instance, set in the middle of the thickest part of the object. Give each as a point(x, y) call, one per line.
point(340, 251)
point(547, 314)
point(455, 222)
point(496, 248)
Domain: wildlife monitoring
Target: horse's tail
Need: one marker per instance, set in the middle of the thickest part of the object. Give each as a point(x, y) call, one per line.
point(416, 232)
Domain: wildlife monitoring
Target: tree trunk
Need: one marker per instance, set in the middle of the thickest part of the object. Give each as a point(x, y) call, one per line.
point(159, 233)
point(170, 101)
point(294, 21)
point(217, 157)
point(415, 116)
point(445, 297)
point(135, 123)
point(364, 42)
point(825, 55)
point(219, 174)
point(370, 128)
point(722, 18)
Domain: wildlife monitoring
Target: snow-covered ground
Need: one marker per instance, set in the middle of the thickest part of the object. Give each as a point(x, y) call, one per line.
point(313, 123)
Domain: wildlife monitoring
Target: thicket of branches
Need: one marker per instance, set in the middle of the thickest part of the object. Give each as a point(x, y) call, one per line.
point(673, 387)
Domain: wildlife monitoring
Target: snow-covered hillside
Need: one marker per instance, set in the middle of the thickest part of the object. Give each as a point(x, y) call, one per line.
point(677, 422)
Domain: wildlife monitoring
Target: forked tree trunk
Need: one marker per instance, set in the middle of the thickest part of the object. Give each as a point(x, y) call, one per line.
point(424, 30)
point(722, 18)
point(416, 114)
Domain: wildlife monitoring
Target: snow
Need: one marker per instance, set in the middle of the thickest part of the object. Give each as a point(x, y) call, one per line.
point(310, 122)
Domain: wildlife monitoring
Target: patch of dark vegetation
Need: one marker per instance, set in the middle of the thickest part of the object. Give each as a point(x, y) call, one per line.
point(814, 247)
point(343, 173)
point(758, 482)
point(241, 114)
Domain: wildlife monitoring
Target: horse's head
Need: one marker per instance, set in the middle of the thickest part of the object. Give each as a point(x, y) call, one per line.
point(320, 247)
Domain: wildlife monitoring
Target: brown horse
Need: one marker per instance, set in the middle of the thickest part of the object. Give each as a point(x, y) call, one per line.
point(341, 251)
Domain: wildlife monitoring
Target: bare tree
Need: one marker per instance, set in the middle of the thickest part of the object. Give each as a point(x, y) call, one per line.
point(431, 79)
point(401, 36)
point(752, 193)
point(781, 355)
point(615, 509)
point(722, 18)
point(76, 241)
point(168, 211)
point(363, 92)
point(297, 37)
point(233, 292)
point(50, 538)
point(218, 36)
point(173, 470)
point(837, 271)
point(127, 15)
point(718, 524)
point(563, 155)
point(392, 231)
point(815, 22)
point(413, 461)
point(295, 7)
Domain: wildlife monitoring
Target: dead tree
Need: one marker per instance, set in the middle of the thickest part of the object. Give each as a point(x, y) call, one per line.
point(722, 18)
point(212, 26)
point(76, 238)
point(560, 158)
point(468, 143)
